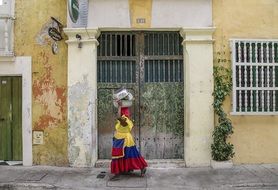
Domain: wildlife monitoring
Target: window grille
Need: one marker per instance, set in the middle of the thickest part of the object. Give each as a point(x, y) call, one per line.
point(6, 27)
point(119, 54)
point(255, 77)
point(116, 58)
point(163, 57)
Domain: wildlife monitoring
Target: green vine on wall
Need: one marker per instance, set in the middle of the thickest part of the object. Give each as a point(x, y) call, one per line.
point(221, 149)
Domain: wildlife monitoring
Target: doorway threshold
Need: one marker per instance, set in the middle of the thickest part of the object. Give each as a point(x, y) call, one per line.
point(11, 163)
point(154, 163)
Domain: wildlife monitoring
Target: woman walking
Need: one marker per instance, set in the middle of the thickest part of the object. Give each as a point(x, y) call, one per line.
point(125, 156)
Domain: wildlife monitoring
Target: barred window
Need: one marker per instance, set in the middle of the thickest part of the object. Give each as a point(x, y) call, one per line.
point(255, 77)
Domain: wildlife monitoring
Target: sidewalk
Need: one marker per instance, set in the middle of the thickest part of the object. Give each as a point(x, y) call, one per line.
point(45, 177)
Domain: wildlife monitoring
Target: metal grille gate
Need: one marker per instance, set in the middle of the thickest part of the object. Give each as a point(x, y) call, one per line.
point(150, 65)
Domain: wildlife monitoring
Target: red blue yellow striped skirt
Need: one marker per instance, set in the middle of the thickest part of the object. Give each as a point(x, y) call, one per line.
point(125, 158)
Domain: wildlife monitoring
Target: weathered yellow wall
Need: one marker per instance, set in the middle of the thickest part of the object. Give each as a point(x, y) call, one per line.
point(255, 137)
point(49, 76)
point(140, 9)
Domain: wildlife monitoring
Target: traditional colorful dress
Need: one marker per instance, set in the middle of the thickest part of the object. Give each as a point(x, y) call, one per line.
point(125, 156)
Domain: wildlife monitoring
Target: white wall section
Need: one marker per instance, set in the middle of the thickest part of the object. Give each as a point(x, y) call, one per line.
point(198, 88)
point(165, 13)
point(82, 97)
point(108, 13)
point(181, 13)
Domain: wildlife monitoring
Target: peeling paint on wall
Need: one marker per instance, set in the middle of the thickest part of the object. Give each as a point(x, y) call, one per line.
point(43, 37)
point(80, 119)
point(49, 77)
point(44, 92)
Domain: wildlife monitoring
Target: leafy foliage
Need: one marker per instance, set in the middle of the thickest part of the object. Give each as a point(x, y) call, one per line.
point(221, 150)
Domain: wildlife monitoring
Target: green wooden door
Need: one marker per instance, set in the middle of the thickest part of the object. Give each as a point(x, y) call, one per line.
point(117, 67)
point(150, 65)
point(10, 118)
point(161, 96)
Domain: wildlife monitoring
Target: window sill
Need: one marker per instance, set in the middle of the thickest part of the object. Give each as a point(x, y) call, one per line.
point(254, 113)
point(7, 57)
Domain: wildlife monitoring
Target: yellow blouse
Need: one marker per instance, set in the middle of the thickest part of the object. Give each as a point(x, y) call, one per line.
point(124, 132)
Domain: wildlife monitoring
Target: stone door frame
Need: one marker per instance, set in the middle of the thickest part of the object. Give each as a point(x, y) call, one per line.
point(82, 94)
point(22, 66)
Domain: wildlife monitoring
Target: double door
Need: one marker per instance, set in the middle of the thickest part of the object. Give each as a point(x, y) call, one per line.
point(150, 66)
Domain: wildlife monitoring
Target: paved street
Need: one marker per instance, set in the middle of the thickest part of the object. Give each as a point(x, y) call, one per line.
point(45, 177)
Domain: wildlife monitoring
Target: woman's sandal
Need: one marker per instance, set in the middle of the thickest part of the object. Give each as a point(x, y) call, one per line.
point(127, 173)
point(143, 171)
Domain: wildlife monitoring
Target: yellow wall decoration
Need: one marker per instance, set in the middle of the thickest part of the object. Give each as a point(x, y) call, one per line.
point(140, 13)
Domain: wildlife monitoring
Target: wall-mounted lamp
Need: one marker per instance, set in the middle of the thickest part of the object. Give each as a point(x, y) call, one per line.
point(78, 37)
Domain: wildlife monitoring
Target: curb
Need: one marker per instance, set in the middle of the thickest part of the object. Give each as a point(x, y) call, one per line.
point(26, 186)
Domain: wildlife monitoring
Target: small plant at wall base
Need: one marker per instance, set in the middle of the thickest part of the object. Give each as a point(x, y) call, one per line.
point(221, 149)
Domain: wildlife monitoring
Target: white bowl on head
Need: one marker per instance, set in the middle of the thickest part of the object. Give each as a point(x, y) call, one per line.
point(122, 98)
point(122, 103)
point(121, 94)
